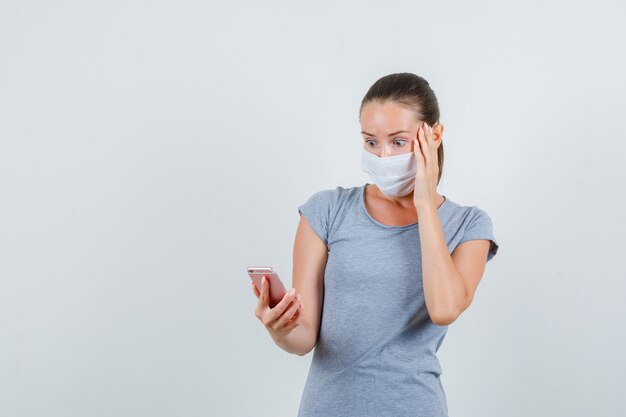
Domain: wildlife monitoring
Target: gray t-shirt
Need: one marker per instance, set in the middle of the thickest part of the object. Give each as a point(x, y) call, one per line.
point(376, 349)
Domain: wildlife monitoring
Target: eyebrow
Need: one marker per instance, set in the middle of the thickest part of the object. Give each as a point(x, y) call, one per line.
point(391, 134)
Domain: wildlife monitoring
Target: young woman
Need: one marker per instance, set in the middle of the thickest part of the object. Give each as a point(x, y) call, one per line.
point(381, 270)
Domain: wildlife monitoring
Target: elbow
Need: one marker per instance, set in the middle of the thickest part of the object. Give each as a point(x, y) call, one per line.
point(309, 344)
point(305, 352)
point(445, 318)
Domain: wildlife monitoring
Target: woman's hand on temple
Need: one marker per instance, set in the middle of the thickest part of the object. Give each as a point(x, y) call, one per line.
point(284, 317)
point(425, 149)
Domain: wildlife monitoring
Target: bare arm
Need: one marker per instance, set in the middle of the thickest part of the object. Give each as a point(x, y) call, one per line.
point(292, 327)
point(449, 281)
point(309, 264)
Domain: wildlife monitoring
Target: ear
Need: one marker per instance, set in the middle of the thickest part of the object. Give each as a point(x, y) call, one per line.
point(438, 132)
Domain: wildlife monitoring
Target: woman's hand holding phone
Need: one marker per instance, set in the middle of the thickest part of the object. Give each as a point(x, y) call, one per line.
point(284, 317)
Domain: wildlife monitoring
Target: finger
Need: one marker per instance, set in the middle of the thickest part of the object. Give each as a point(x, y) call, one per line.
point(265, 296)
point(298, 315)
point(430, 137)
point(418, 156)
point(299, 312)
point(289, 313)
point(255, 290)
point(282, 305)
point(432, 150)
point(301, 308)
point(290, 326)
point(293, 323)
point(423, 143)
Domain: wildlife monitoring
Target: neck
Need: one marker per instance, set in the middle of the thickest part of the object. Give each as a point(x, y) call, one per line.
point(404, 201)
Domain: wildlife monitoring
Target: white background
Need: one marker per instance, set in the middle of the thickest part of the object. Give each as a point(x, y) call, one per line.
point(150, 151)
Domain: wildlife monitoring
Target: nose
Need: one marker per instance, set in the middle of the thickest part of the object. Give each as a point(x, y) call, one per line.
point(387, 150)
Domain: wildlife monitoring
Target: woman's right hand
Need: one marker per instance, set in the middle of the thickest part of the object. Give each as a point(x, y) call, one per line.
point(284, 317)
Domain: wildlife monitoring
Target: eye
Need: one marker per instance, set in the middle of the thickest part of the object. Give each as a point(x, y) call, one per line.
point(401, 140)
point(368, 141)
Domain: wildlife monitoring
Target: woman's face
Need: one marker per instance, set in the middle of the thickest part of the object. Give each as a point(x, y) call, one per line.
point(388, 129)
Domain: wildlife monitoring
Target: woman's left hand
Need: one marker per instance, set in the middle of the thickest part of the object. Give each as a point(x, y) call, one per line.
point(425, 150)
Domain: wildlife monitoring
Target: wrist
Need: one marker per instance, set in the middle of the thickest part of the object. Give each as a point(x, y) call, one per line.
point(425, 206)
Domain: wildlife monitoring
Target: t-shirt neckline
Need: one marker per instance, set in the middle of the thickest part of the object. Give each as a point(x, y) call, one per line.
point(386, 226)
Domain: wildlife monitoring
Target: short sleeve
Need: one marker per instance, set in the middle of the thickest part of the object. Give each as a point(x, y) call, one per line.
point(317, 211)
point(480, 226)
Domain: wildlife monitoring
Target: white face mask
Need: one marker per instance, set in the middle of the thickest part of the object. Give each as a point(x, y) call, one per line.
point(394, 175)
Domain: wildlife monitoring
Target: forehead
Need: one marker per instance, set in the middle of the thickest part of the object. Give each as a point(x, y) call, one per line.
point(385, 116)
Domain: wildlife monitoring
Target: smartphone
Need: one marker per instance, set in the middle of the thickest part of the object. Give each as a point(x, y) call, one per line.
point(277, 289)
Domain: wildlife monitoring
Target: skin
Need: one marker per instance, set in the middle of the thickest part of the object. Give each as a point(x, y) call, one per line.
point(449, 280)
point(378, 120)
